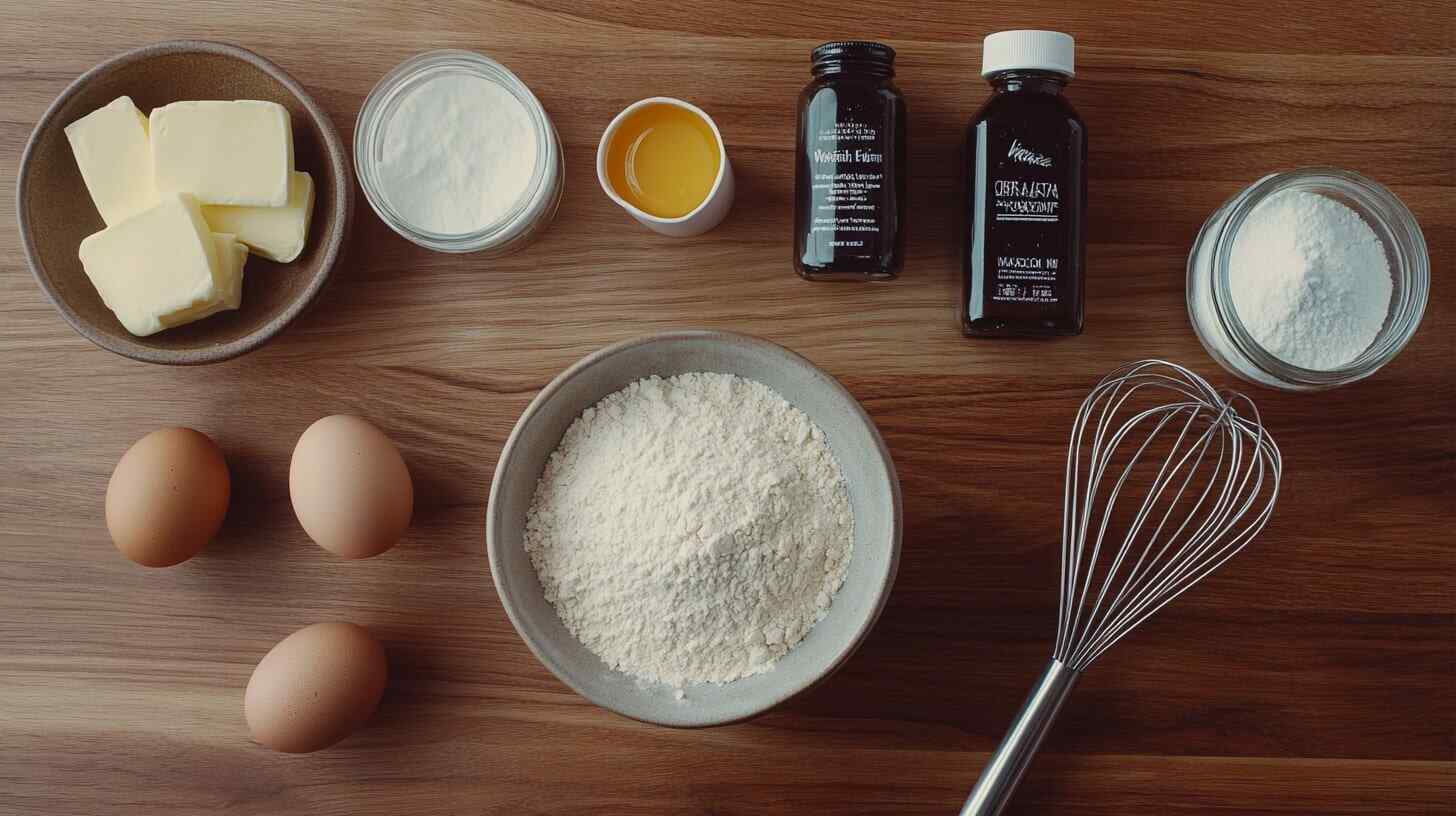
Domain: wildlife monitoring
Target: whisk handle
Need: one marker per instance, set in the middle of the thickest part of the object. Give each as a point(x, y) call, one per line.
point(1005, 768)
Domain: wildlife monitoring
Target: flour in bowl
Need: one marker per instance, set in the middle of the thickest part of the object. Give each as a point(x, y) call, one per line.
point(691, 529)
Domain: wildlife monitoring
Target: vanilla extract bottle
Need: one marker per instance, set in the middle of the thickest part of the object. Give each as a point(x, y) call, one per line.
point(1025, 192)
point(849, 200)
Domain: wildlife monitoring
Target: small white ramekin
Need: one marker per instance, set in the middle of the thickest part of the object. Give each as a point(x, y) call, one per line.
point(706, 215)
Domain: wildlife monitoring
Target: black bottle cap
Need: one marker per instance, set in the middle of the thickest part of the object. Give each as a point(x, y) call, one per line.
point(858, 51)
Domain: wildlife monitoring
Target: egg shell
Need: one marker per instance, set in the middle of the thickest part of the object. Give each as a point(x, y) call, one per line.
point(351, 489)
point(317, 686)
point(167, 497)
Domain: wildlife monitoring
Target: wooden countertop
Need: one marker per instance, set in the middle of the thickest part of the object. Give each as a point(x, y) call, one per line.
point(1313, 675)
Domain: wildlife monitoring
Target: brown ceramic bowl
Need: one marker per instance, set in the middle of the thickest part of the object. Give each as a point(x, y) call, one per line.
point(56, 212)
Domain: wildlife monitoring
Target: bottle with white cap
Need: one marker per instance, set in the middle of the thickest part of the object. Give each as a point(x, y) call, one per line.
point(1025, 192)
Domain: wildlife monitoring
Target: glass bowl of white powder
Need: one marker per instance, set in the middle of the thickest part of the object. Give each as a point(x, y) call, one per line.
point(456, 154)
point(1308, 279)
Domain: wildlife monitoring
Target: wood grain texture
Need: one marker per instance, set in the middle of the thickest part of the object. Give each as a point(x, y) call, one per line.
point(1312, 676)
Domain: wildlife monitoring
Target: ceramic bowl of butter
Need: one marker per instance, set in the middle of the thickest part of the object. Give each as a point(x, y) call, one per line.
point(193, 233)
point(678, 549)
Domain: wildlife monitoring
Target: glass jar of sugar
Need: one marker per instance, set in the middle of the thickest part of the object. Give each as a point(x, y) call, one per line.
point(456, 154)
point(1308, 279)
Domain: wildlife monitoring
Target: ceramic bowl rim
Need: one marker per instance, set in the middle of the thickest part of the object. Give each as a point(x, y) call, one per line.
point(335, 155)
point(882, 589)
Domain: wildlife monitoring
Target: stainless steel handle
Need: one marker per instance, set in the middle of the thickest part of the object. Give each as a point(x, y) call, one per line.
point(1005, 768)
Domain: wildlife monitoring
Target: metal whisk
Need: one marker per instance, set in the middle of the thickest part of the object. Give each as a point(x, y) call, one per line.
point(1211, 493)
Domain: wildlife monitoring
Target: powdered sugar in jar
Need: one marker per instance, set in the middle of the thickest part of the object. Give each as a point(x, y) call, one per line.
point(1308, 280)
point(456, 154)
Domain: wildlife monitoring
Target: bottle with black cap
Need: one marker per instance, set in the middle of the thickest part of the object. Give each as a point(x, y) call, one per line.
point(849, 203)
point(1025, 191)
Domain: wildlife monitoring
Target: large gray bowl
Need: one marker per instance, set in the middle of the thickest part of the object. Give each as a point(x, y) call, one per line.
point(874, 493)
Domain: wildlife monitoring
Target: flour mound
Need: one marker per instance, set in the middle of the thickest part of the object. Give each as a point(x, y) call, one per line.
point(691, 529)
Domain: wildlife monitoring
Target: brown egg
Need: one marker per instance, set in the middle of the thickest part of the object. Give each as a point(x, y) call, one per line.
point(167, 497)
point(350, 487)
point(315, 687)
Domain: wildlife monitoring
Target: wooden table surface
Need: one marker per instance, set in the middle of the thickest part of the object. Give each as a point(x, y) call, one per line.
point(1313, 675)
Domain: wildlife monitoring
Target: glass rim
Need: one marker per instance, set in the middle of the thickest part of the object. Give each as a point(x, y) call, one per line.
point(390, 91)
point(1396, 228)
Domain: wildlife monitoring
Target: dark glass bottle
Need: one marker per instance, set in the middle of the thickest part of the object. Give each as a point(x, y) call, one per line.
point(1026, 190)
point(849, 200)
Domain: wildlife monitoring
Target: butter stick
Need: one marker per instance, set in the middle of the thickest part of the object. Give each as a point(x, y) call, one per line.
point(276, 233)
point(231, 256)
point(114, 154)
point(235, 153)
point(154, 264)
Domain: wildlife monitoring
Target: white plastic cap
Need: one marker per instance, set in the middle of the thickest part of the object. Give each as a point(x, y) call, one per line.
point(1027, 51)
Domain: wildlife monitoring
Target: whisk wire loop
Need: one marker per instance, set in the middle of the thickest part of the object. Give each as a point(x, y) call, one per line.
point(1209, 496)
point(1212, 492)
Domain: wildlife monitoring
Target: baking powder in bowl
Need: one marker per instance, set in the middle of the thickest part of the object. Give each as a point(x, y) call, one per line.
point(458, 154)
point(691, 529)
